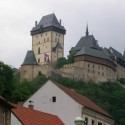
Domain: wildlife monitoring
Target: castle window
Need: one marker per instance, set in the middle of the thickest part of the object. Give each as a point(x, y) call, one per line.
point(56, 34)
point(98, 67)
point(36, 36)
point(54, 99)
point(88, 70)
point(102, 68)
point(88, 65)
point(39, 50)
point(44, 40)
point(39, 60)
point(58, 40)
point(59, 35)
point(41, 35)
point(46, 34)
point(48, 39)
point(55, 39)
point(93, 66)
point(98, 73)
point(102, 74)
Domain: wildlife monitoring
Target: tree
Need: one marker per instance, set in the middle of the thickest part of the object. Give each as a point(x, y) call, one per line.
point(22, 92)
point(71, 56)
point(61, 62)
point(6, 80)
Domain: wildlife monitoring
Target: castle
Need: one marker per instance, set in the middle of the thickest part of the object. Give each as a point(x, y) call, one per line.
point(91, 62)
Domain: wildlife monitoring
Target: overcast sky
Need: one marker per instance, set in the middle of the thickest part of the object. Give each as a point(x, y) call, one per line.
point(106, 21)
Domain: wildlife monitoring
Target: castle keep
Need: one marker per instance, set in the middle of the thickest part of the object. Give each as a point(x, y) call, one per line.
point(91, 62)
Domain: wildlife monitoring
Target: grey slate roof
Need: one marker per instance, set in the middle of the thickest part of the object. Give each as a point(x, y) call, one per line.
point(47, 21)
point(86, 41)
point(30, 59)
point(100, 53)
point(116, 53)
point(57, 46)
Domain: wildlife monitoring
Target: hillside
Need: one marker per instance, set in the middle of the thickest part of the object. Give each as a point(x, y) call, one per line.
point(110, 96)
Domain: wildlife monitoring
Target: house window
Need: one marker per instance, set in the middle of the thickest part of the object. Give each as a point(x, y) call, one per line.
point(99, 123)
point(54, 99)
point(93, 122)
point(3, 118)
point(86, 121)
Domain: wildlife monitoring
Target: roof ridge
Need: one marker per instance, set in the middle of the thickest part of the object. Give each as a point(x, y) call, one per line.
point(79, 98)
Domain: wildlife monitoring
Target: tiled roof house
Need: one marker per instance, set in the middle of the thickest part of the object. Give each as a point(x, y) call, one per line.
point(28, 116)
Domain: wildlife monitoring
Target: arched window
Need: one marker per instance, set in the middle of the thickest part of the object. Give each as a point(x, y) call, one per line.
point(39, 50)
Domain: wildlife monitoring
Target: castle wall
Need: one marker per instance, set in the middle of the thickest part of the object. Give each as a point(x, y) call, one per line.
point(120, 72)
point(28, 72)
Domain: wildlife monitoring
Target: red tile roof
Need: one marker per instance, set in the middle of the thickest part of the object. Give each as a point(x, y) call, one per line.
point(29, 116)
point(87, 103)
point(6, 103)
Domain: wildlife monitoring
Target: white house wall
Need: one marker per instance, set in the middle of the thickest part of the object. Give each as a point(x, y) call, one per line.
point(65, 107)
point(14, 120)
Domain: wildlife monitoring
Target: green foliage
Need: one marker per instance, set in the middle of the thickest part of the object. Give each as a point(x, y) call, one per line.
point(27, 88)
point(6, 80)
point(122, 81)
point(22, 92)
point(61, 62)
point(71, 56)
point(38, 82)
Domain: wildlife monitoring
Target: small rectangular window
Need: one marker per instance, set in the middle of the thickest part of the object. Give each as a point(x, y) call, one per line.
point(99, 123)
point(93, 122)
point(86, 121)
point(54, 99)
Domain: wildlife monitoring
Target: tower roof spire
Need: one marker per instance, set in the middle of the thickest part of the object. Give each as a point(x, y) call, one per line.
point(87, 32)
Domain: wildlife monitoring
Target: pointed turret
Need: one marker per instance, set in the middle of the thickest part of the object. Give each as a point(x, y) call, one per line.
point(124, 55)
point(87, 32)
point(30, 59)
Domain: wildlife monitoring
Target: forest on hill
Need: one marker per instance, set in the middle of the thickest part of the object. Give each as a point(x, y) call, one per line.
point(108, 95)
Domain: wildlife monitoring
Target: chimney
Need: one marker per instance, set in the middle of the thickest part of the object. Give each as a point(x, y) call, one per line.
point(31, 106)
point(60, 21)
point(35, 23)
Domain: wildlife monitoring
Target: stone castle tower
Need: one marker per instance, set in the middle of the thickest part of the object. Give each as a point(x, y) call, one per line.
point(48, 39)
